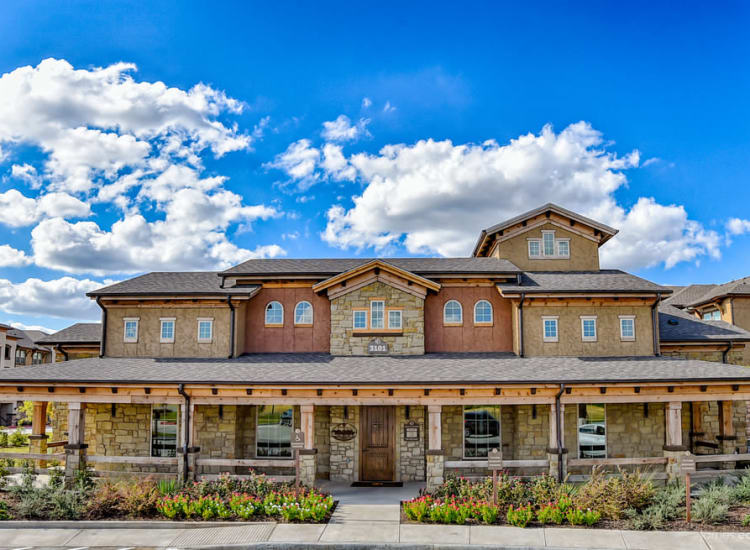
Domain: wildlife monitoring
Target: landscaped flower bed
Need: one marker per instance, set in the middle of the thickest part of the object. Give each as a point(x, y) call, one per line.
point(230, 499)
point(628, 501)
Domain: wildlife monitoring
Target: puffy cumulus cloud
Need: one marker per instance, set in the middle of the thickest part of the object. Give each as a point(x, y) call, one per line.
point(737, 226)
point(299, 162)
point(17, 210)
point(64, 297)
point(342, 129)
point(22, 326)
point(10, 257)
point(26, 172)
point(436, 196)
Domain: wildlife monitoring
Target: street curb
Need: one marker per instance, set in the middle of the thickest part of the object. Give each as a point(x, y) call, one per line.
point(125, 524)
point(376, 546)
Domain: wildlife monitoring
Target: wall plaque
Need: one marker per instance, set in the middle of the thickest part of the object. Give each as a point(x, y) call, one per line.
point(377, 346)
point(298, 439)
point(411, 431)
point(495, 460)
point(343, 432)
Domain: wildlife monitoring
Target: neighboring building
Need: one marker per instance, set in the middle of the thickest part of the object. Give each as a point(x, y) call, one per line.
point(20, 348)
point(78, 341)
point(403, 368)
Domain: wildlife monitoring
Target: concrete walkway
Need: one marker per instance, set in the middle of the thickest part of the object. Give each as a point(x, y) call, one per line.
point(358, 525)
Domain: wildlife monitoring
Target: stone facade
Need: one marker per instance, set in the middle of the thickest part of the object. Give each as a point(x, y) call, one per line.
point(409, 342)
point(323, 441)
point(344, 457)
point(410, 455)
point(734, 357)
point(435, 471)
point(127, 432)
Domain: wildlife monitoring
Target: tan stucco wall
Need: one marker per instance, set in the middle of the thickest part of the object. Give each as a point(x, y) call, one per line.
point(570, 343)
point(584, 253)
point(409, 342)
point(186, 332)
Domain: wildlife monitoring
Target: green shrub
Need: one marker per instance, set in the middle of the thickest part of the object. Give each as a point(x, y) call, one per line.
point(577, 516)
point(709, 509)
point(4, 511)
point(741, 491)
point(138, 498)
point(168, 487)
point(3, 439)
point(521, 516)
point(746, 520)
point(611, 496)
point(66, 504)
point(550, 513)
point(18, 439)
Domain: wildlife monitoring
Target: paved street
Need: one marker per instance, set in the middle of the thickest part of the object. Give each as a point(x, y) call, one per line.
point(353, 525)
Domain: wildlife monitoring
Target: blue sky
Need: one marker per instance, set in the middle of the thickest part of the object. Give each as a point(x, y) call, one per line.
point(441, 120)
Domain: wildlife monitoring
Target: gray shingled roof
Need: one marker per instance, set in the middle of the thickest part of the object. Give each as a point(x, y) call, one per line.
point(554, 208)
point(606, 280)
point(688, 294)
point(80, 333)
point(732, 288)
point(676, 325)
point(173, 283)
point(26, 340)
point(327, 267)
point(295, 369)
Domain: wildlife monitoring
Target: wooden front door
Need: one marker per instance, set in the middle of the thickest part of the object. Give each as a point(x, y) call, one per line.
point(377, 444)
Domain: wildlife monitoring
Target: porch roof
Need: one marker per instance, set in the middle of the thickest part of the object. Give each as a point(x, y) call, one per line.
point(429, 369)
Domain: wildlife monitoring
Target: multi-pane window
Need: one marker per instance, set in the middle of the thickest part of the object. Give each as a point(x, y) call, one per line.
point(394, 319)
point(164, 430)
point(627, 327)
point(37, 358)
point(588, 328)
point(166, 335)
point(592, 431)
point(303, 313)
point(549, 246)
point(452, 312)
point(548, 240)
point(274, 314)
point(483, 312)
point(273, 437)
point(712, 315)
point(549, 325)
point(131, 329)
point(20, 356)
point(377, 314)
point(535, 249)
point(205, 329)
point(481, 430)
point(563, 249)
point(360, 319)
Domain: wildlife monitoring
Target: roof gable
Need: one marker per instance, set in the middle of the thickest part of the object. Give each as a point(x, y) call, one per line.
point(380, 271)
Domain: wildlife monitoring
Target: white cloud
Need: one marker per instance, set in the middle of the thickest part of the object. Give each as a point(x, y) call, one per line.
point(299, 162)
point(64, 297)
point(388, 108)
point(18, 210)
point(22, 326)
point(335, 165)
point(10, 257)
point(435, 197)
point(366, 102)
point(737, 226)
point(342, 129)
point(26, 172)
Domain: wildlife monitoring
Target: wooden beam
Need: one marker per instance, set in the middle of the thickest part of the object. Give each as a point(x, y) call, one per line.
point(674, 424)
point(726, 424)
point(308, 425)
point(435, 438)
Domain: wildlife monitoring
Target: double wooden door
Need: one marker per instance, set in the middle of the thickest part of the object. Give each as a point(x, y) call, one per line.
point(377, 440)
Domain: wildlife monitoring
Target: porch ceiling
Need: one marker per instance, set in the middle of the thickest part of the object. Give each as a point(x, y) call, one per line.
point(430, 369)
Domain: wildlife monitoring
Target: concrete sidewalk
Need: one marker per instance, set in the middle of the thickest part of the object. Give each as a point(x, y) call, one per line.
point(359, 526)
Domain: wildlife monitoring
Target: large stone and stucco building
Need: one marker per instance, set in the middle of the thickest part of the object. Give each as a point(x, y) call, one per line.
point(402, 368)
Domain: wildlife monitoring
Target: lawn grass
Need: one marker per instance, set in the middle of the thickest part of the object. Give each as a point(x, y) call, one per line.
point(24, 449)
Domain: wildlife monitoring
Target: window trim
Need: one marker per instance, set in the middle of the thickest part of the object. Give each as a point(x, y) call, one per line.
point(447, 323)
point(492, 314)
point(151, 428)
point(585, 338)
point(550, 339)
point(606, 432)
point(555, 246)
point(162, 320)
point(624, 338)
point(209, 320)
point(377, 301)
point(367, 318)
point(400, 312)
point(538, 242)
point(265, 314)
point(312, 314)
point(125, 321)
point(499, 428)
point(257, 425)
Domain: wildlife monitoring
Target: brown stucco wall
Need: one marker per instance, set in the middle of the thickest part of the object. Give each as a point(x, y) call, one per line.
point(186, 332)
point(469, 337)
point(409, 342)
point(290, 339)
point(584, 253)
point(570, 343)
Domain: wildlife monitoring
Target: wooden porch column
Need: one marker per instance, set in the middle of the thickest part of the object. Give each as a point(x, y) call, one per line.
point(556, 454)
point(75, 450)
point(727, 438)
point(435, 464)
point(674, 450)
point(308, 425)
point(307, 455)
point(38, 437)
point(435, 438)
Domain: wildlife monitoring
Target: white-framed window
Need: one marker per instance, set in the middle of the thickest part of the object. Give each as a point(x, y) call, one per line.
point(549, 247)
point(714, 315)
point(535, 248)
point(273, 431)
point(592, 430)
point(164, 430)
point(549, 328)
point(563, 248)
point(377, 314)
point(360, 319)
point(274, 313)
point(588, 328)
point(166, 331)
point(395, 319)
point(483, 313)
point(481, 430)
point(130, 329)
point(303, 313)
point(627, 327)
point(205, 329)
point(548, 243)
point(453, 313)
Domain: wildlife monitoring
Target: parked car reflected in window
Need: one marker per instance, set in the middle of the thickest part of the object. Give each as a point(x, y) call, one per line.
point(592, 431)
point(274, 431)
point(481, 430)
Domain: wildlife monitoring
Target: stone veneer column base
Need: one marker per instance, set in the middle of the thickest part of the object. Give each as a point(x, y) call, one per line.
point(38, 445)
point(674, 456)
point(727, 446)
point(307, 466)
point(435, 468)
point(554, 458)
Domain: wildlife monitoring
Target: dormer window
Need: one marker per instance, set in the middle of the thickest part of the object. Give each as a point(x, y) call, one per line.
point(549, 247)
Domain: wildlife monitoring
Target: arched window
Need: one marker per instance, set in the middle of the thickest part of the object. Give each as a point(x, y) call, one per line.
point(303, 313)
point(483, 312)
point(452, 312)
point(274, 314)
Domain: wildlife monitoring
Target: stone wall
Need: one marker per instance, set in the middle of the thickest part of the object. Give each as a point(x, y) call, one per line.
point(59, 423)
point(630, 433)
point(410, 455)
point(409, 342)
point(344, 460)
point(323, 441)
point(127, 433)
point(734, 357)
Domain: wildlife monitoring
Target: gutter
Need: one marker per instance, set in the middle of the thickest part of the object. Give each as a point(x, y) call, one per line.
point(655, 324)
point(726, 351)
point(520, 325)
point(65, 353)
point(558, 422)
point(186, 440)
point(103, 343)
point(231, 326)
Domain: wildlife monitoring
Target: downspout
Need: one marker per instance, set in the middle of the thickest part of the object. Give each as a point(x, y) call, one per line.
point(520, 325)
point(231, 326)
point(731, 308)
point(725, 352)
point(64, 353)
point(103, 343)
point(655, 324)
point(186, 440)
point(558, 422)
